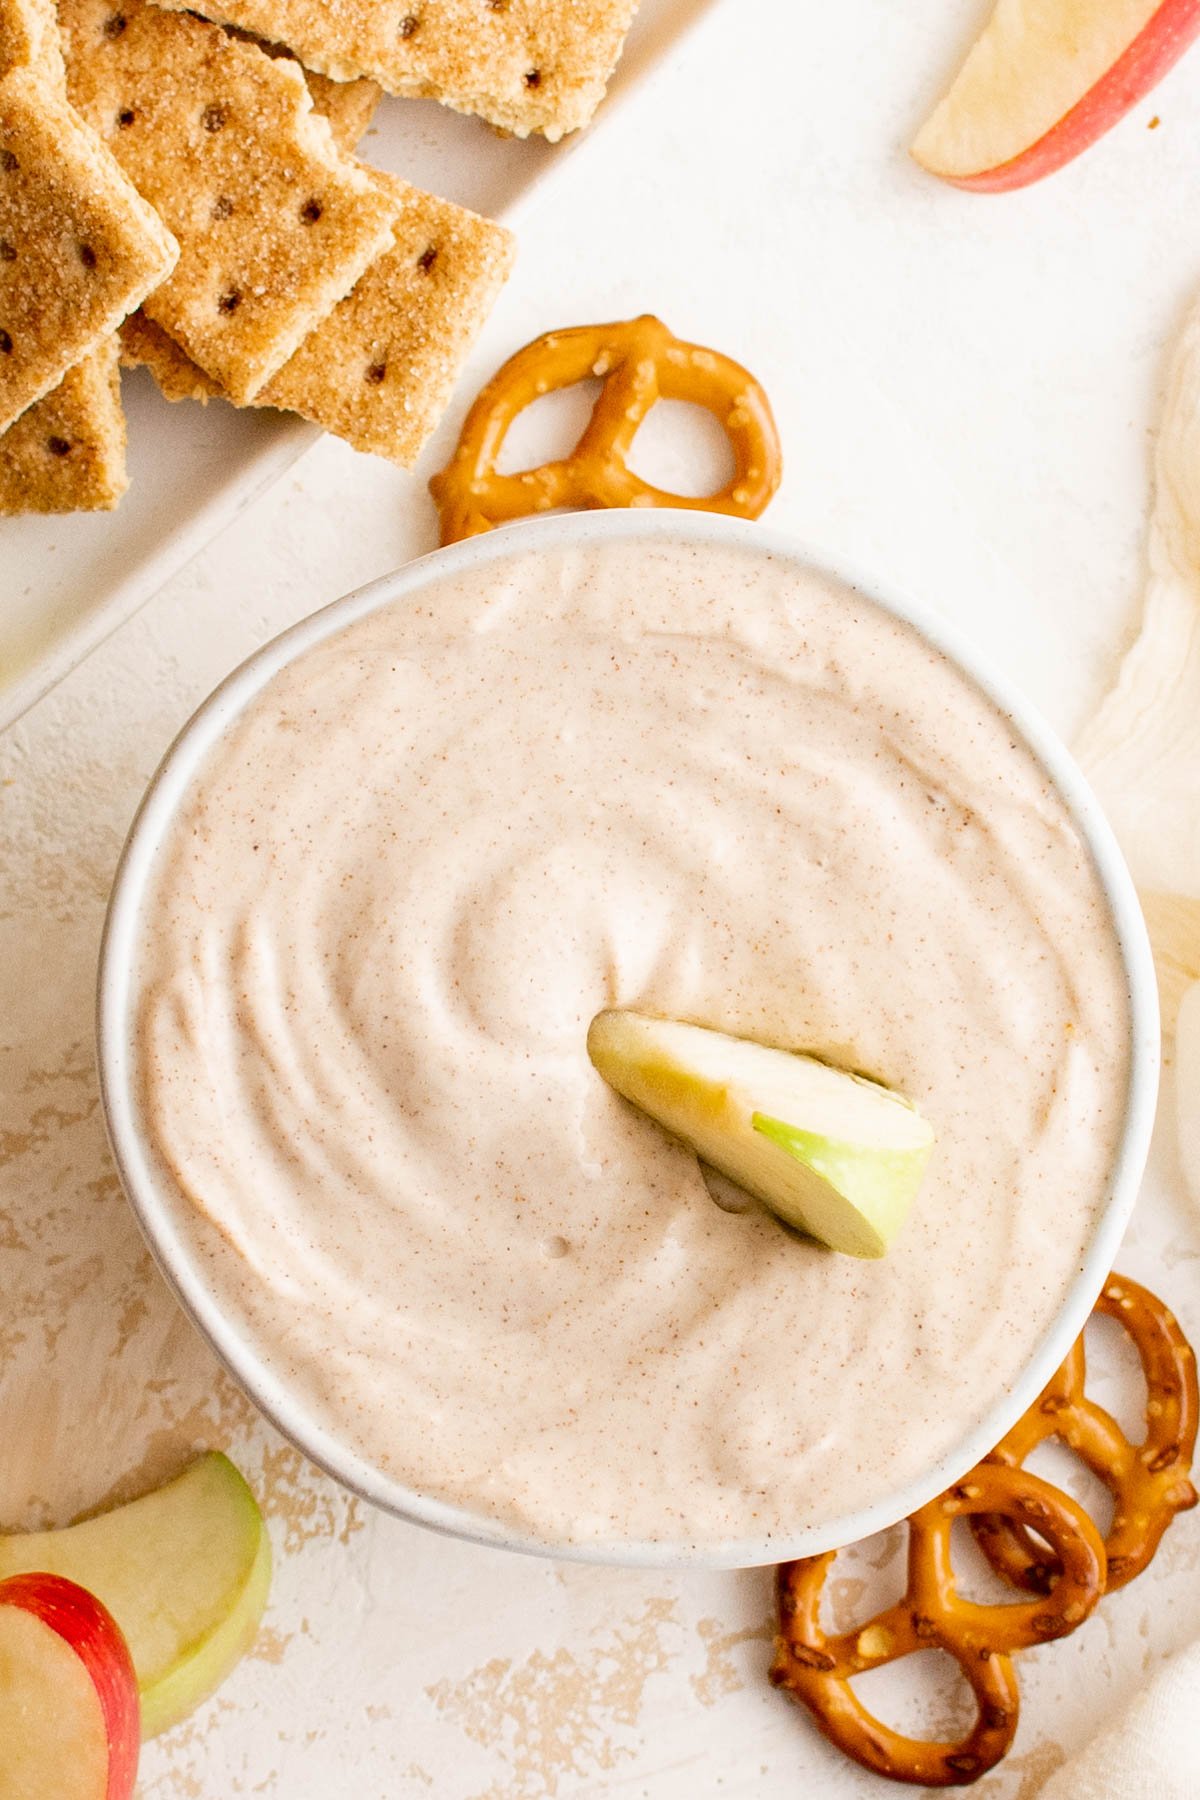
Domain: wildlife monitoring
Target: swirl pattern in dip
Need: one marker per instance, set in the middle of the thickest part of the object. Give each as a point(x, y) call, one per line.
point(687, 779)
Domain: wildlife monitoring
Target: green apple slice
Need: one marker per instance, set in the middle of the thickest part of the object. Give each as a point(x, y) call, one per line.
point(184, 1571)
point(833, 1154)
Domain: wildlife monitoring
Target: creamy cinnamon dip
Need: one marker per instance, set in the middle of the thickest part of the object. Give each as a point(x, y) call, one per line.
point(687, 779)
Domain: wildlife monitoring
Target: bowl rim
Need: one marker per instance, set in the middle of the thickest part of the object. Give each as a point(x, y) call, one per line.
point(182, 1270)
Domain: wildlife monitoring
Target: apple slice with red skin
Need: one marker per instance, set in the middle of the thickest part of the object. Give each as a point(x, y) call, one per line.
point(185, 1572)
point(1045, 80)
point(69, 1717)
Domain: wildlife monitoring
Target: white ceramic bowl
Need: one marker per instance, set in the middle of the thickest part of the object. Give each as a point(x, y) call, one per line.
point(156, 1211)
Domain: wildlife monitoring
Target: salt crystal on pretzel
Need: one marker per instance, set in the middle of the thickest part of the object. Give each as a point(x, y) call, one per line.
point(1149, 1481)
point(638, 363)
point(1037, 1537)
point(525, 65)
point(817, 1670)
point(275, 225)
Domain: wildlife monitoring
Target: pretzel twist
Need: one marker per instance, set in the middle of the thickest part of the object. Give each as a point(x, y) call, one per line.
point(817, 1669)
point(638, 362)
point(1148, 1481)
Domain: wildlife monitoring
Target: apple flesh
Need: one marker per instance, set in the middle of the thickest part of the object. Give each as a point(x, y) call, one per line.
point(69, 1726)
point(185, 1572)
point(1046, 79)
point(833, 1154)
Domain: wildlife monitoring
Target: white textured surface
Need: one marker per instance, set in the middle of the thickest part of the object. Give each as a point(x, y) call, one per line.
point(966, 389)
point(1150, 1751)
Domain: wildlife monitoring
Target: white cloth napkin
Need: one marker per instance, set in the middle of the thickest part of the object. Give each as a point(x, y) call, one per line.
point(1142, 753)
point(1151, 1751)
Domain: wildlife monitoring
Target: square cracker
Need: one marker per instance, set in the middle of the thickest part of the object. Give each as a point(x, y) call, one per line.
point(67, 452)
point(275, 225)
point(526, 65)
point(79, 247)
point(379, 371)
point(349, 107)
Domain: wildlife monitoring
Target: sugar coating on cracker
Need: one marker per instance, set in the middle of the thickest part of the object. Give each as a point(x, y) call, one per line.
point(66, 453)
point(275, 225)
point(525, 65)
point(29, 38)
point(145, 345)
point(348, 105)
point(79, 246)
point(380, 370)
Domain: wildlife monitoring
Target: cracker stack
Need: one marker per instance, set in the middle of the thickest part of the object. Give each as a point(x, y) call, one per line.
point(274, 224)
point(191, 180)
point(79, 249)
point(378, 367)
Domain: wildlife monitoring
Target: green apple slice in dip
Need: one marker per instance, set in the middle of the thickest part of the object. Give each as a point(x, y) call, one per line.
point(831, 1153)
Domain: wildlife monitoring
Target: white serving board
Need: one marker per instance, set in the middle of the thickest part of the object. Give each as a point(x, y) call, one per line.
point(66, 583)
